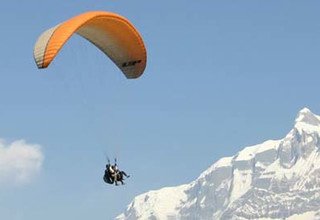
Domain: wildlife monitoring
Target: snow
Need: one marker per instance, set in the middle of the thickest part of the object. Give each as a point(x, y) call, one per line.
point(243, 184)
point(249, 153)
point(307, 121)
point(307, 215)
point(159, 204)
point(223, 162)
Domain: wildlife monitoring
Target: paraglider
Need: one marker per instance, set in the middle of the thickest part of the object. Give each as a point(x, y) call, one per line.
point(112, 174)
point(113, 34)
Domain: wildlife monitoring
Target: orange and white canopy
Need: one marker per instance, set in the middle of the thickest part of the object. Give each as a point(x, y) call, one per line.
point(113, 34)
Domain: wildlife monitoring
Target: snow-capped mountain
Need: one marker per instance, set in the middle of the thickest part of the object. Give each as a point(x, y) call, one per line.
point(278, 179)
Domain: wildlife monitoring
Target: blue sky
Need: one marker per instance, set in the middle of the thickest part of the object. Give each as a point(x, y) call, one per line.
point(221, 75)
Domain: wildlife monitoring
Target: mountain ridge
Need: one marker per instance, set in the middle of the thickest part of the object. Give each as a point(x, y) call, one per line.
point(273, 180)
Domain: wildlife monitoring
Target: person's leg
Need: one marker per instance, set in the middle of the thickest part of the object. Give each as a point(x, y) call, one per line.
point(123, 173)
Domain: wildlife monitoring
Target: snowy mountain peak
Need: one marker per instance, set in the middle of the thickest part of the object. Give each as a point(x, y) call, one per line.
point(307, 122)
point(277, 179)
point(307, 117)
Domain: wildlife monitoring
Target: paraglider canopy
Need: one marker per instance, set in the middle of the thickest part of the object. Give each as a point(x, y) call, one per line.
point(113, 34)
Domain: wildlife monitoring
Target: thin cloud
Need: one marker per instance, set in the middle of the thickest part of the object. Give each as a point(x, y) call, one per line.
point(20, 162)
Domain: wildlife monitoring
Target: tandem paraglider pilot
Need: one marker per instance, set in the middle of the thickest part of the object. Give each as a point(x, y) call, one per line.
point(112, 174)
